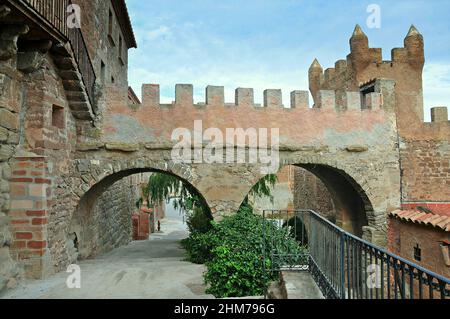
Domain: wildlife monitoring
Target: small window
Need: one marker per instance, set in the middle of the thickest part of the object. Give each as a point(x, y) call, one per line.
point(365, 91)
point(111, 28)
point(417, 253)
point(120, 49)
point(113, 80)
point(103, 71)
point(58, 119)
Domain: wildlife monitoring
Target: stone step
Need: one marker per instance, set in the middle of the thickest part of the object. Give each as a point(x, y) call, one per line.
point(69, 75)
point(64, 63)
point(82, 115)
point(61, 49)
point(73, 85)
point(79, 106)
point(76, 96)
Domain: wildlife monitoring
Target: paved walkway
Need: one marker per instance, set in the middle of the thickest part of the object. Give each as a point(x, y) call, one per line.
point(153, 269)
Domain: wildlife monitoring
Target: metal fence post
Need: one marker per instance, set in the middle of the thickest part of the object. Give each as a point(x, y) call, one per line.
point(342, 265)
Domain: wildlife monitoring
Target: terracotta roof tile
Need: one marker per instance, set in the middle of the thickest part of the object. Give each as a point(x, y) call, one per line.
point(421, 218)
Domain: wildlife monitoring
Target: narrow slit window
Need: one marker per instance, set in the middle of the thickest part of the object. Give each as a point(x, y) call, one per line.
point(58, 119)
point(103, 71)
point(120, 50)
point(417, 253)
point(111, 28)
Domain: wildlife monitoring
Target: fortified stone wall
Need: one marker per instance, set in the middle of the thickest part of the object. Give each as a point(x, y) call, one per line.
point(424, 147)
point(340, 133)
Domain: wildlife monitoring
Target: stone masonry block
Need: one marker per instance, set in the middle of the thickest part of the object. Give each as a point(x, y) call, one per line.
point(150, 95)
point(215, 95)
point(9, 120)
point(373, 101)
point(273, 98)
point(327, 99)
point(184, 94)
point(245, 97)
point(386, 88)
point(439, 114)
point(300, 99)
point(353, 100)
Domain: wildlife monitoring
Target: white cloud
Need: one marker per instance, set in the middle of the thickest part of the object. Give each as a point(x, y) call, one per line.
point(436, 84)
point(162, 31)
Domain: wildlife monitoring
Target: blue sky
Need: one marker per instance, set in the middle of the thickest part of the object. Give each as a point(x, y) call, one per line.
point(271, 43)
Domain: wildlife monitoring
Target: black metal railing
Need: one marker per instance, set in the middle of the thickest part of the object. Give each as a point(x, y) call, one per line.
point(347, 267)
point(55, 12)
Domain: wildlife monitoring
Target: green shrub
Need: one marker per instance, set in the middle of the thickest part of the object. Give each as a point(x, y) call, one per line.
point(232, 251)
point(199, 221)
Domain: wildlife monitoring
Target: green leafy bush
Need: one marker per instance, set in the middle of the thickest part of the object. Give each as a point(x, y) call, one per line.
point(233, 253)
point(199, 221)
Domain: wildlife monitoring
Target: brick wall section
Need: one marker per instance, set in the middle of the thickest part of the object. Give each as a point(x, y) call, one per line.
point(426, 169)
point(403, 237)
point(31, 193)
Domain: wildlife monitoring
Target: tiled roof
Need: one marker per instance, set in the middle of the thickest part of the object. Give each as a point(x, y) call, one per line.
point(421, 218)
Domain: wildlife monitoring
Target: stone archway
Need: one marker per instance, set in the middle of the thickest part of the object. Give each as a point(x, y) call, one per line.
point(351, 203)
point(97, 225)
point(361, 197)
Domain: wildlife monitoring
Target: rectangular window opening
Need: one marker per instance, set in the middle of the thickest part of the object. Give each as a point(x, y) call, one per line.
point(417, 253)
point(103, 71)
point(110, 28)
point(58, 118)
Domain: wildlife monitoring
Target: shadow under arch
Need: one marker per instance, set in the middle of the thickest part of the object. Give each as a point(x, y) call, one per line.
point(82, 234)
point(352, 205)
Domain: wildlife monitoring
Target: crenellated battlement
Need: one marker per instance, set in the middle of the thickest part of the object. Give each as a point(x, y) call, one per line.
point(364, 63)
point(346, 73)
point(273, 98)
point(439, 114)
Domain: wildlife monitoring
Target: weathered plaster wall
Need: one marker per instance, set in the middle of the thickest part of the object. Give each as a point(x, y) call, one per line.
point(282, 193)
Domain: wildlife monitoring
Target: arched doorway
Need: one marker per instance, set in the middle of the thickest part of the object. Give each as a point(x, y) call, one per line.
point(102, 220)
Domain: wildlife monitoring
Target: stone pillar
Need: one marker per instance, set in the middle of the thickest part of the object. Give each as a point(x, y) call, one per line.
point(31, 194)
